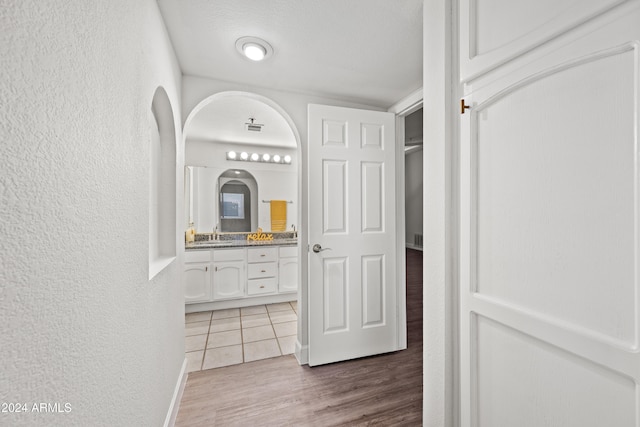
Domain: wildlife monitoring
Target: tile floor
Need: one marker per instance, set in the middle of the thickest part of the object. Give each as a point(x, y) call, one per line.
point(237, 335)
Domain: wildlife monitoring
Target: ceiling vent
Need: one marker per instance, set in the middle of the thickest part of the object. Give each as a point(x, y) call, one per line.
point(253, 126)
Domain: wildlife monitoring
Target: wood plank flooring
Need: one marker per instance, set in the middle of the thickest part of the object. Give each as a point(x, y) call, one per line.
point(381, 390)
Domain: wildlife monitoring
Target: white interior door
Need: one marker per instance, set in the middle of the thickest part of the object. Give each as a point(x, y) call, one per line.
point(352, 279)
point(549, 237)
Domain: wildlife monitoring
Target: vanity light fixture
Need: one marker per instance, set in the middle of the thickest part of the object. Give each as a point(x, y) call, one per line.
point(254, 48)
point(255, 157)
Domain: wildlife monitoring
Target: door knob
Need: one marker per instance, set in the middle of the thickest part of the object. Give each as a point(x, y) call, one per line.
point(317, 248)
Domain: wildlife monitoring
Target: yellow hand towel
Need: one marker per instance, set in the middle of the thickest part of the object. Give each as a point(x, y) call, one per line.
point(278, 215)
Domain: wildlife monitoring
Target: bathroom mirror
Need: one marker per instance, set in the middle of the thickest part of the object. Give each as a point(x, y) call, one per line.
point(237, 200)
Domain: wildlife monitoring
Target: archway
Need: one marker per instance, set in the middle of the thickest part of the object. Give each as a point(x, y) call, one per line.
point(203, 144)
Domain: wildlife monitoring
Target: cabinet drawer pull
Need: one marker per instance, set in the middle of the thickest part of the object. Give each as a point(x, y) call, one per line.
point(263, 254)
point(261, 286)
point(263, 271)
point(206, 269)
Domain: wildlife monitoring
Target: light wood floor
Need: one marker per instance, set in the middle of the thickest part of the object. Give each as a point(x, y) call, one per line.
point(383, 390)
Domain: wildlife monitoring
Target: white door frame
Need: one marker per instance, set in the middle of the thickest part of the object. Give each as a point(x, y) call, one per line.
point(440, 136)
point(402, 109)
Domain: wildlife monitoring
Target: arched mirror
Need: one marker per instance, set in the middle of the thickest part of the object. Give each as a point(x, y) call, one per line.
point(237, 200)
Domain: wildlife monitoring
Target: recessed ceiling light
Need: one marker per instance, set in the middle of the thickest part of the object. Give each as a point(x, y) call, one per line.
point(254, 48)
point(254, 51)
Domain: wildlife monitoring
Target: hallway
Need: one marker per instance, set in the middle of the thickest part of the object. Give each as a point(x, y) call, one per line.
point(384, 389)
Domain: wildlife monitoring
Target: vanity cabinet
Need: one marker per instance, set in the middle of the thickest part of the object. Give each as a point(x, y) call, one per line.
point(288, 269)
point(236, 277)
point(228, 273)
point(197, 277)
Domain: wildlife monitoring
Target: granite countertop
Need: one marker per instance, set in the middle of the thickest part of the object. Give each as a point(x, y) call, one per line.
point(213, 244)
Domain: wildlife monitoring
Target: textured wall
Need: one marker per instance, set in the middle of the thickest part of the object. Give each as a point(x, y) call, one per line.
point(80, 322)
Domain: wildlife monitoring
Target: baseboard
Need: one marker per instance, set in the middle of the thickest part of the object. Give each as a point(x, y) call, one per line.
point(302, 353)
point(412, 246)
point(172, 413)
point(240, 302)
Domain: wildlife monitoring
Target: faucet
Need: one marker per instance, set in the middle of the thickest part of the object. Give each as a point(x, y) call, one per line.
point(295, 233)
point(215, 233)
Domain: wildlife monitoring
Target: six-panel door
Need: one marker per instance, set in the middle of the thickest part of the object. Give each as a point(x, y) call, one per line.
point(352, 283)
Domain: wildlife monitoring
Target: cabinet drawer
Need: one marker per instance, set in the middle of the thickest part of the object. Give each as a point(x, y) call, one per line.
point(228, 255)
point(262, 269)
point(262, 254)
point(197, 256)
point(288, 251)
point(261, 286)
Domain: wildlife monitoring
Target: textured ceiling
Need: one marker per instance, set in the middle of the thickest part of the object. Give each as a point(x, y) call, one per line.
point(367, 51)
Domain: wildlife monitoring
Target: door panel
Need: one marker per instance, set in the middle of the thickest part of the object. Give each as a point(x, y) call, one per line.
point(372, 194)
point(549, 292)
point(496, 31)
point(373, 290)
point(563, 183)
point(335, 301)
point(334, 196)
point(511, 363)
point(352, 285)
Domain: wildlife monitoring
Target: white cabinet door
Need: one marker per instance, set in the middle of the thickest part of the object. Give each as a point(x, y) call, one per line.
point(197, 282)
point(229, 279)
point(288, 275)
point(549, 235)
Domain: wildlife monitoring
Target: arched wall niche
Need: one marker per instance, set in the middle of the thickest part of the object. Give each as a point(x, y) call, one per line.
point(162, 183)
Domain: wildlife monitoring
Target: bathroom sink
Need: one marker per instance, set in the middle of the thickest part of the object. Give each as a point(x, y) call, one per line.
point(238, 243)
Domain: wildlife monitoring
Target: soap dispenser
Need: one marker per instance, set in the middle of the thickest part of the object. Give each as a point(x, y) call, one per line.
point(190, 234)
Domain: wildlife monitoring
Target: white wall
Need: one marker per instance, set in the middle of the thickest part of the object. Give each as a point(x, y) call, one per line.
point(197, 89)
point(413, 195)
point(81, 322)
